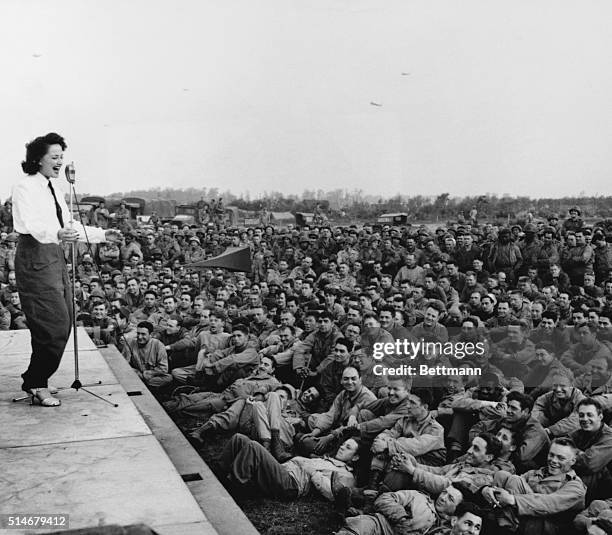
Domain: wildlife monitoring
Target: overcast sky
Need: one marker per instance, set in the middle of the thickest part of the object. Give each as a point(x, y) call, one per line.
point(502, 97)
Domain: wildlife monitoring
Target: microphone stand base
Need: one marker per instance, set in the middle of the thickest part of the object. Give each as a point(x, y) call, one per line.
point(76, 385)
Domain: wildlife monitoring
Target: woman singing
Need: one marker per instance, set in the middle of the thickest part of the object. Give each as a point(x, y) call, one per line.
point(41, 217)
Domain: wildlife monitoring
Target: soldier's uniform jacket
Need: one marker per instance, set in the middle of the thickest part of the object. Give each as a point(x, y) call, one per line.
point(549, 500)
point(556, 415)
point(416, 437)
point(434, 479)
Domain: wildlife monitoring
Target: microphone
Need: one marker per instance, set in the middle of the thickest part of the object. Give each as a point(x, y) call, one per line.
point(70, 172)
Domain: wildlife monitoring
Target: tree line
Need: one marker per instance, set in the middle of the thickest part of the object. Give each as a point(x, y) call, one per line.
point(357, 204)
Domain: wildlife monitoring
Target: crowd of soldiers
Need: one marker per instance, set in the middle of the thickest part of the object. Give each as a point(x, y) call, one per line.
point(513, 439)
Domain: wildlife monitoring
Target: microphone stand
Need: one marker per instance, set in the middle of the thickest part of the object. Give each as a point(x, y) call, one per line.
point(77, 385)
point(70, 177)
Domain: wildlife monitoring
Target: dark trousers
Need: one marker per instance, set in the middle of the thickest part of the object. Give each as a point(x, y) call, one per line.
point(46, 300)
point(251, 465)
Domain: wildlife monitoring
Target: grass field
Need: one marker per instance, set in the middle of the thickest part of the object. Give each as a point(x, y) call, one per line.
point(311, 515)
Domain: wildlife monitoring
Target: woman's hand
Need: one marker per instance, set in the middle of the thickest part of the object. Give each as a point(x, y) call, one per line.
point(113, 235)
point(67, 234)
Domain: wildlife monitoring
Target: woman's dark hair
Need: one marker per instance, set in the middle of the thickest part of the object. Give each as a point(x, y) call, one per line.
point(37, 148)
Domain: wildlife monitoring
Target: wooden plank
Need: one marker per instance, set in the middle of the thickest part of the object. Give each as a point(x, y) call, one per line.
point(18, 342)
point(80, 417)
point(122, 481)
point(218, 506)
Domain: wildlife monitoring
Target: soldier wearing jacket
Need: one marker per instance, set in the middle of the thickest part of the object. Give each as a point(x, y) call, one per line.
point(453, 390)
point(505, 256)
point(594, 439)
point(602, 260)
point(540, 502)
point(223, 366)
point(330, 370)
point(327, 427)
point(405, 512)
point(204, 343)
point(481, 402)
point(315, 347)
point(554, 409)
point(577, 259)
point(372, 334)
point(545, 366)
point(260, 381)
point(176, 342)
point(578, 357)
point(248, 463)
point(530, 437)
point(597, 381)
point(548, 253)
point(271, 421)
point(596, 519)
point(513, 354)
point(148, 357)
point(417, 434)
point(475, 471)
point(373, 417)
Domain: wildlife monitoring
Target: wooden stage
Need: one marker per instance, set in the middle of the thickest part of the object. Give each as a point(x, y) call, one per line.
point(98, 463)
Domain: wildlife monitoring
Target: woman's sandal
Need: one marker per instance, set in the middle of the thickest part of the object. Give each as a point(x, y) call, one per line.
point(42, 397)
